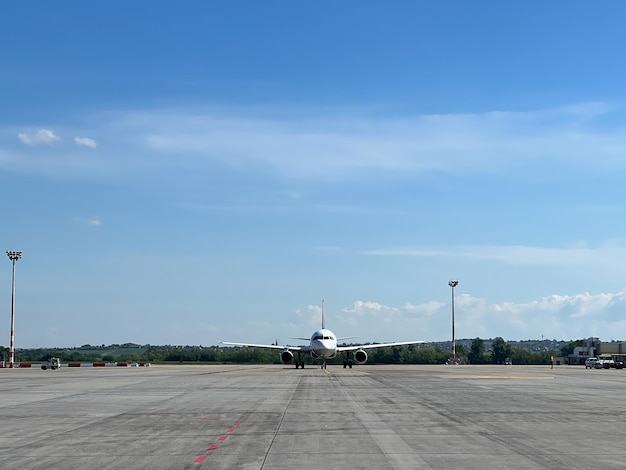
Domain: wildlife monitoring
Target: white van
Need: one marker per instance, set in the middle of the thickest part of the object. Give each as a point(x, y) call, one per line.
point(591, 362)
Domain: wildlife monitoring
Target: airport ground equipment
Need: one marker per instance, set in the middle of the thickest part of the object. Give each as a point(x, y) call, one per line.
point(53, 363)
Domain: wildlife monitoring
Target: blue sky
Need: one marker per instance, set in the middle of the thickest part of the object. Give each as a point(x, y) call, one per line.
point(184, 173)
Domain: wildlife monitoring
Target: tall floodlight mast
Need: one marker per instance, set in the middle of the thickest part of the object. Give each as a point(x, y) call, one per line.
point(453, 284)
point(13, 256)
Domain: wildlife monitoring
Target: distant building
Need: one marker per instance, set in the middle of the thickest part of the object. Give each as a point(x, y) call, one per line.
point(581, 353)
point(614, 347)
point(594, 348)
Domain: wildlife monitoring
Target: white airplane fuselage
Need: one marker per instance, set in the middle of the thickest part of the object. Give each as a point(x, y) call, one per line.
point(323, 344)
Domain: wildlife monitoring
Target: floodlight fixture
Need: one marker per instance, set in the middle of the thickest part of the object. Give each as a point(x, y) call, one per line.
point(14, 255)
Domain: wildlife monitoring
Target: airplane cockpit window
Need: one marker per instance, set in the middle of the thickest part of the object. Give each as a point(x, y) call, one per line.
point(323, 337)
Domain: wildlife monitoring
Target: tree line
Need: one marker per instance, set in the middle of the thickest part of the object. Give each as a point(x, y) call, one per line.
point(499, 352)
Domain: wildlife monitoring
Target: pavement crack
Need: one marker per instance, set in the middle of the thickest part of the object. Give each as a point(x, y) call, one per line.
point(280, 423)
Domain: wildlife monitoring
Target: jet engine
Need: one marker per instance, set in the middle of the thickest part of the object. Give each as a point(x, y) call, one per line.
point(286, 356)
point(360, 356)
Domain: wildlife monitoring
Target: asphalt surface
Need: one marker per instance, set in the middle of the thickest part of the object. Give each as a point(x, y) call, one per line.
point(276, 417)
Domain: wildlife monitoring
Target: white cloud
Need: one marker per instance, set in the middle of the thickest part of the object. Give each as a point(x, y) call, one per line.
point(556, 317)
point(428, 308)
point(38, 137)
point(361, 310)
point(86, 141)
point(360, 307)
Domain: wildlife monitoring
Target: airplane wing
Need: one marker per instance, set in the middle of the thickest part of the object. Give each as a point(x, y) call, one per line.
point(377, 345)
point(268, 346)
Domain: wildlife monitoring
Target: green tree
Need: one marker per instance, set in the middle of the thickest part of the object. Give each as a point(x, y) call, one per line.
point(500, 350)
point(477, 351)
point(569, 348)
point(460, 350)
point(381, 356)
point(523, 356)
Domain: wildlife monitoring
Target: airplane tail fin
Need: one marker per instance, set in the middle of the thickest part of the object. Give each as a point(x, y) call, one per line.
point(323, 317)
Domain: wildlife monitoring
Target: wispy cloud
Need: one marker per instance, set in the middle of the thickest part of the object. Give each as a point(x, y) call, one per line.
point(91, 221)
point(345, 147)
point(243, 208)
point(85, 141)
point(318, 145)
point(609, 253)
point(38, 137)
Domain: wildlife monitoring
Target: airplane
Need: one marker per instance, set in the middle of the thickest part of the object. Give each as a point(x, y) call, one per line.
point(323, 346)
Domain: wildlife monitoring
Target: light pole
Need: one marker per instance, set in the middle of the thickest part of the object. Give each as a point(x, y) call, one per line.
point(13, 256)
point(453, 284)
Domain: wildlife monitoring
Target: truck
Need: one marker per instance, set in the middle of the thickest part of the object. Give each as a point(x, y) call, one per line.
point(606, 361)
point(53, 363)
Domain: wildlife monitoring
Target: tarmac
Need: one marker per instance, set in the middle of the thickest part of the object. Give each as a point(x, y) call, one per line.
point(275, 417)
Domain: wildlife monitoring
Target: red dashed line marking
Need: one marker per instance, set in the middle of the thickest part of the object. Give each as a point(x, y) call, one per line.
point(202, 458)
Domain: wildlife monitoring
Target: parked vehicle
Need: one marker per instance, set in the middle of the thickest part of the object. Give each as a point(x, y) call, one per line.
point(53, 363)
point(591, 362)
point(606, 361)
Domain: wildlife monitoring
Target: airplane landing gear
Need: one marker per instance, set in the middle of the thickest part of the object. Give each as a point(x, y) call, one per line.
point(347, 362)
point(299, 361)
